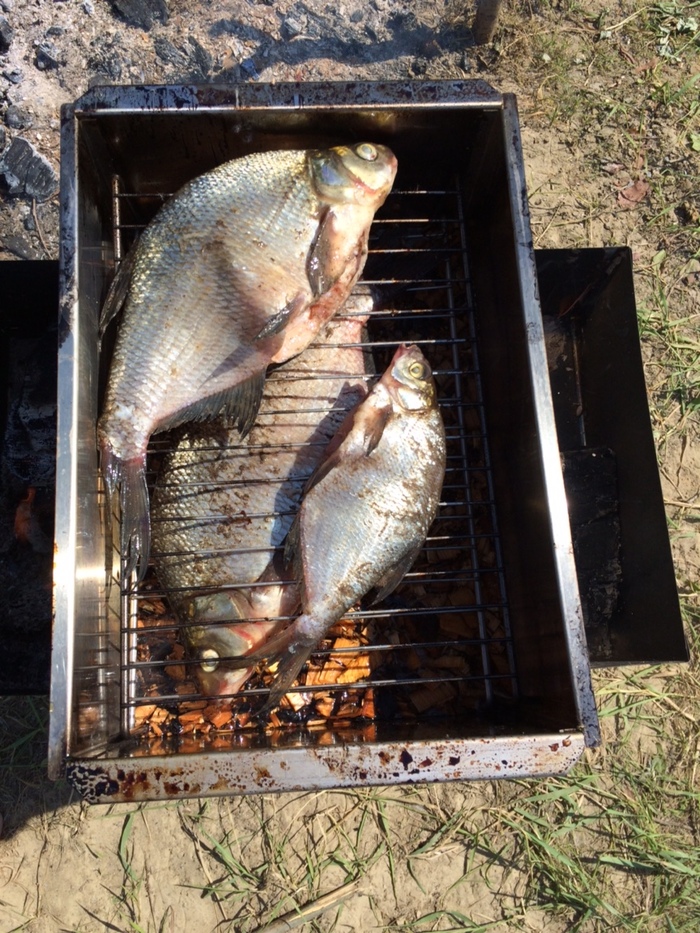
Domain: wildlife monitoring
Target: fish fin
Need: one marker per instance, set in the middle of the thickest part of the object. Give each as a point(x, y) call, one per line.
point(317, 260)
point(323, 267)
point(291, 648)
point(238, 405)
point(135, 533)
point(374, 429)
point(118, 290)
point(391, 579)
point(364, 433)
point(287, 673)
point(280, 320)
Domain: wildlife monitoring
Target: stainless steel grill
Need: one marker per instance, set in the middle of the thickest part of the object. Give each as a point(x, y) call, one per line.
point(457, 586)
point(476, 665)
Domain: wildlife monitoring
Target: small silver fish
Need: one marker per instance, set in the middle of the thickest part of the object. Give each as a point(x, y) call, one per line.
point(238, 270)
point(222, 507)
point(366, 511)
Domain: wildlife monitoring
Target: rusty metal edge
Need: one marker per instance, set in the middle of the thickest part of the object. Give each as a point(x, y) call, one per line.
point(163, 777)
point(292, 95)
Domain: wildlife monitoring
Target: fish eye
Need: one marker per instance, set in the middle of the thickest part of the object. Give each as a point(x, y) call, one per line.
point(367, 151)
point(417, 370)
point(210, 660)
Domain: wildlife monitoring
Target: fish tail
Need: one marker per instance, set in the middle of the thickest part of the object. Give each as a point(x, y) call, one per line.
point(135, 537)
point(292, 649)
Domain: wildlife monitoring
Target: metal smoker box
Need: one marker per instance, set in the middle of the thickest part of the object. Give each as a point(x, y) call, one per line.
point(453, 268)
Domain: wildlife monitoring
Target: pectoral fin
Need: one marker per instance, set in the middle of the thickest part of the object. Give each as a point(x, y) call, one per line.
point(391, 579)
point(291, 649)
point(329, 257)
point(118, 290)
point(277, 323)
point(357, 437)
point(238, 406)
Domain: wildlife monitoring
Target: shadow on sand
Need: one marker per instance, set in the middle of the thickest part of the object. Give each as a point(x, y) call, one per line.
point(25, 789)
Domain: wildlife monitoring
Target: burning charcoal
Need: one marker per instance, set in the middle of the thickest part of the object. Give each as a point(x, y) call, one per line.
point(6, 35)
point(144, 712)
point(297, 701)
point(217, 717)
point(26, 171)
point(141, 13)
point(324, 704)
point(368, 711)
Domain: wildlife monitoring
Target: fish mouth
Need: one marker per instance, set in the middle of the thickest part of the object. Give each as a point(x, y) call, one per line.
point(342, 175)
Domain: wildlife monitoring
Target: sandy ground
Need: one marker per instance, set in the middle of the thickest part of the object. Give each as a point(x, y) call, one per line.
point(227, 864)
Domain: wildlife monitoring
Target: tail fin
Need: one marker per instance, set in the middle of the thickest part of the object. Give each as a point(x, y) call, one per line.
point(135, 538)
point(291, 649)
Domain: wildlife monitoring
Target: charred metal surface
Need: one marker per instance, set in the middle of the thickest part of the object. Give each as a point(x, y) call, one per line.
point(162, 778)
point(354, 94)
point(602, 416)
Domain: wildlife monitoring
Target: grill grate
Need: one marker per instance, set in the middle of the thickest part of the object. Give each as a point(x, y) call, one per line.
point(452, 604)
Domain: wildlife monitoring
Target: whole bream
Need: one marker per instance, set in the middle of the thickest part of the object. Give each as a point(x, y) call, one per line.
point(238, 270)
point(366, 511)
point(222, 506)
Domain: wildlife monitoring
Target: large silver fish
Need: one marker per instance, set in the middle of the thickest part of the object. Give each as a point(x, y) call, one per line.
point(238, 270)
point(222, 506)
point(366, 511)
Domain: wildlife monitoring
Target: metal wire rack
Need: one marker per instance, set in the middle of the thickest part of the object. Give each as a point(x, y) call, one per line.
point(452, 604)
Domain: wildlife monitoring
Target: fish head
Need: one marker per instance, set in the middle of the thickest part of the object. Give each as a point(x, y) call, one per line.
point(214, 644)
point(214, 633)
point(409, 380)
point(215, 647)
point(358, 174)
point(226, 625)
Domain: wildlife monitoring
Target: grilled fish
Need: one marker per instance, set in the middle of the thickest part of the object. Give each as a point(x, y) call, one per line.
point(222, 507)
point(366, 511)
point(238, 270)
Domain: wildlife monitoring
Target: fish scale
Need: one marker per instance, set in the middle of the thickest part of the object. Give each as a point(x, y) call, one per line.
point(238, 270)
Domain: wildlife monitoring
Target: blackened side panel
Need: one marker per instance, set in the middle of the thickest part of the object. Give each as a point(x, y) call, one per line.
point(588, 300)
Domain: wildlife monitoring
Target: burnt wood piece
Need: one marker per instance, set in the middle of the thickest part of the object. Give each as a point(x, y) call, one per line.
point(486, 20)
